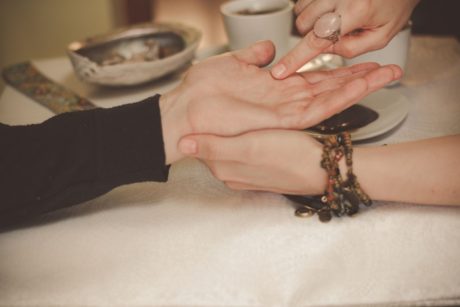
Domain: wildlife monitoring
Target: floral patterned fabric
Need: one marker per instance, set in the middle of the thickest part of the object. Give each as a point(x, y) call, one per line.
point(26, 78)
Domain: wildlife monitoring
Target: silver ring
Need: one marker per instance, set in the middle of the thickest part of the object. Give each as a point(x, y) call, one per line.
point(328, 27)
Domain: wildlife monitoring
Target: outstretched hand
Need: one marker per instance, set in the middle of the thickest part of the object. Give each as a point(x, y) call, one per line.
point(366, 25)
point(231, 94)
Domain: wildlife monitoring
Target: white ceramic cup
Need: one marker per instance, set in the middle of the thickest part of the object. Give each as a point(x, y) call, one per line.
point(395, 52)
point(272, 22)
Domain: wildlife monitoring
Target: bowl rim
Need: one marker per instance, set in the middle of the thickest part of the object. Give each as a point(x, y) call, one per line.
point(92, 72)
point(190, 35)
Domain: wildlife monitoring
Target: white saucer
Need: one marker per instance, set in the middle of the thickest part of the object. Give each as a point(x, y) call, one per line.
point(392, 108)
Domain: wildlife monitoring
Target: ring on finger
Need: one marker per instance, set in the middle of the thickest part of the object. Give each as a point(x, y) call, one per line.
point(328, 27)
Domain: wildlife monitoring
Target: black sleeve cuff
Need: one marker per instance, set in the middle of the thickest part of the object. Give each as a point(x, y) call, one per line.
point(130, 143)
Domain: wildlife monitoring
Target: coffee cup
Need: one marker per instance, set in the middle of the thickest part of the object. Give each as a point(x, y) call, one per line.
point(249, 21)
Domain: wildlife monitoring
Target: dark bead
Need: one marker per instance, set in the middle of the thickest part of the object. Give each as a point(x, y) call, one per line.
point(352, 209)
point(351, 197)
point(324, 216)
point(340, 139)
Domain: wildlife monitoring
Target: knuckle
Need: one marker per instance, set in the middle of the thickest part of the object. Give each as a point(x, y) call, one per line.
point(360, 8)
point(381, 44)
point(300, 24)
point(345, 51)
point(298, 7)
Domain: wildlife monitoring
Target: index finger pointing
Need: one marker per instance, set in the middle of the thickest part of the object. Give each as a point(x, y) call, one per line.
point(307, 49)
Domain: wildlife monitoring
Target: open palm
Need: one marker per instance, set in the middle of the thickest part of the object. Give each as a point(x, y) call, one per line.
point(231, 94)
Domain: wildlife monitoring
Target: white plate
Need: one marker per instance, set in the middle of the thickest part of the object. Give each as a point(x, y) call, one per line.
point(392, 108)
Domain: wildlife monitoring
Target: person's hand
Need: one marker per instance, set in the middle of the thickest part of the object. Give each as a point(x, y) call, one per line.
point(279, 161)
point(288, 162)
point(230, 94)
point(365, 25)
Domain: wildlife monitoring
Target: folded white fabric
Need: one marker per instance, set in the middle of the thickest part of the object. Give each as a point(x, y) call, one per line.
point(192, 242)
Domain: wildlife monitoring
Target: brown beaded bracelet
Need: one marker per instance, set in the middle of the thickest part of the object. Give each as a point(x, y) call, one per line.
point(341, 197)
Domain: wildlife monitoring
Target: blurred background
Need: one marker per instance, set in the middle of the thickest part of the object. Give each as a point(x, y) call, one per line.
point(31, 29)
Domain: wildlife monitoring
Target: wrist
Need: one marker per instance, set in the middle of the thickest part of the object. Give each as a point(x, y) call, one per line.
point(315, 176)
point(173, 123)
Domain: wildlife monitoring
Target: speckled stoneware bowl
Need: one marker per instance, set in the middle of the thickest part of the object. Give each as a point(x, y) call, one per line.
point(134, 55)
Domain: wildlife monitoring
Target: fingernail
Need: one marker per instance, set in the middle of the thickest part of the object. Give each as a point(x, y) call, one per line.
point(278, 70)
point(188, 147)
point(398, 72)
point(386, 76)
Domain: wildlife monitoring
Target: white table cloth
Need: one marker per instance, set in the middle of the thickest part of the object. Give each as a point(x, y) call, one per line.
point(193, 242)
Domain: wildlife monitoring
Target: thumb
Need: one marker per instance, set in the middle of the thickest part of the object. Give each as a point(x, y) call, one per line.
point(259, 54)
point(210, 147)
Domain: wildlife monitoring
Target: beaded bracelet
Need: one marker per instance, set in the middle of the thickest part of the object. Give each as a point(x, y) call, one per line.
point(341, 196)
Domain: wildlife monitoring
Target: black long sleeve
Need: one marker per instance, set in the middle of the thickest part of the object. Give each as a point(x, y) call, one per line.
point(74, 157)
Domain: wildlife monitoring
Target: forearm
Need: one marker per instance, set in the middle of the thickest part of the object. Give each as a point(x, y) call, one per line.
point(74, 157)
point(425, 172)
